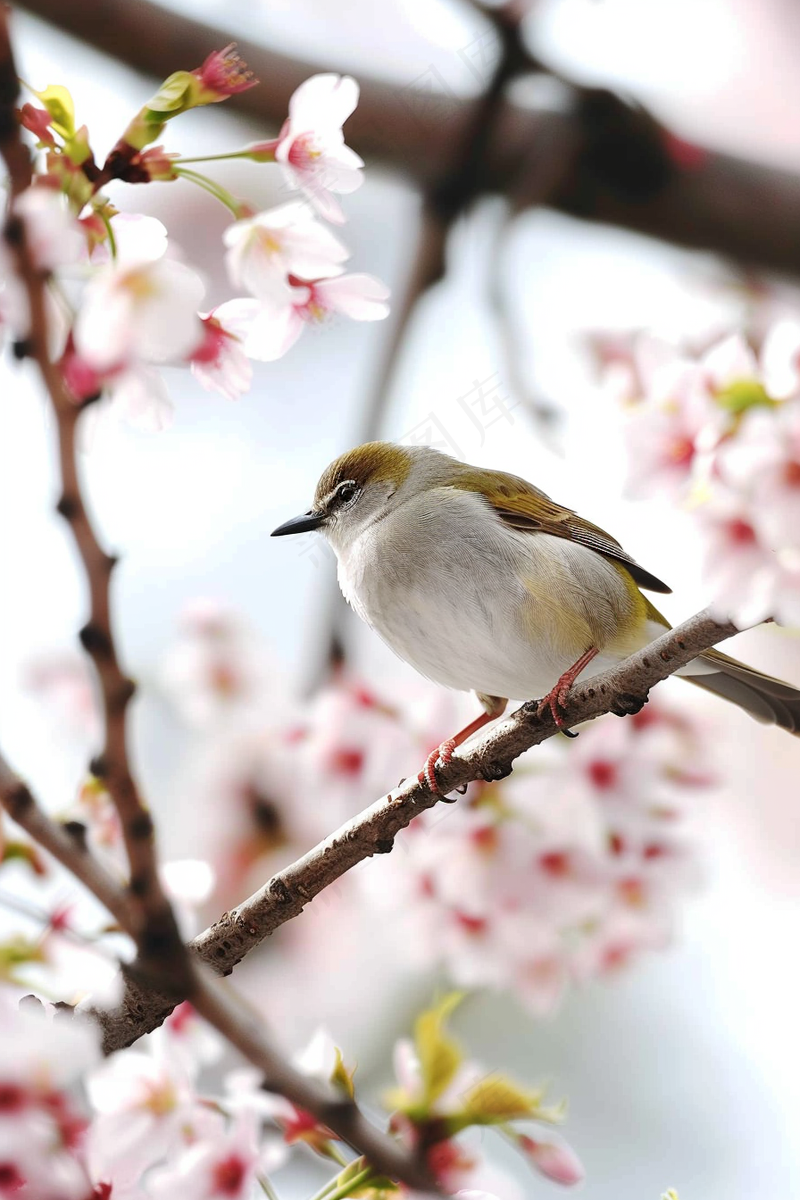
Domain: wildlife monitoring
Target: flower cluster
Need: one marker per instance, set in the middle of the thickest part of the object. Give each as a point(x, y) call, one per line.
point(507, 889)
point(143, 1126)
point(568, 870)
point(121, 301)
point(718, 430)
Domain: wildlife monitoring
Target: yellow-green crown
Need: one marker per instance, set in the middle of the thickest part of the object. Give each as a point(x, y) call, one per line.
point(364, 464)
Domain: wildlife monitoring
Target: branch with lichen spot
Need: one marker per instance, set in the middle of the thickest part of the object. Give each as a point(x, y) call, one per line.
point(621, 690)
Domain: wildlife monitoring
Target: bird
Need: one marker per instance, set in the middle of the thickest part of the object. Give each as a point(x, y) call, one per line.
point(481, 582)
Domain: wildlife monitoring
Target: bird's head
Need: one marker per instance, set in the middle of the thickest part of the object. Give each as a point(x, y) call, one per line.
point(356, 489)
point(363, 486)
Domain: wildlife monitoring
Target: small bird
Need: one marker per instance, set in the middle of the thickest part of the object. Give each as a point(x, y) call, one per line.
point(483, 583)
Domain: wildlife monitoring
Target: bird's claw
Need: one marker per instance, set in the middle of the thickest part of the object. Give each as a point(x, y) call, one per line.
point(439, 757)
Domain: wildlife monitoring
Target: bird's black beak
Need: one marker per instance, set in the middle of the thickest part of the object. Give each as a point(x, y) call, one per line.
point(309, 520)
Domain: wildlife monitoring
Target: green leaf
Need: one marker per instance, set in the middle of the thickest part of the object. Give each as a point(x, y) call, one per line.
point(744, 394)
point(341, 1078)
point(24, 852)
point(77, 148)
point(16, 952)
point(440, 1056)
point(174, 95)
point(497, 1098)
point(58, 103)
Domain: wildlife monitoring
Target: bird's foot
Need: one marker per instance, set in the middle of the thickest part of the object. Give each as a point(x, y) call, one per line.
point(441, 756)
point(556, 699)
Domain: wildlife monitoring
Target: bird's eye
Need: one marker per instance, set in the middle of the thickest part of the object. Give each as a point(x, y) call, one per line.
point(347, 493)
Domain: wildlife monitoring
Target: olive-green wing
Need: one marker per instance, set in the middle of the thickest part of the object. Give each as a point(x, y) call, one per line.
point(525, 507)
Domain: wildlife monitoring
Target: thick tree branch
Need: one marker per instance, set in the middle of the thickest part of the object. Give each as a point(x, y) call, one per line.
point(628, 170)
point(152, 921)
point(142, 909)
point(222, 1008)
point(621, 689)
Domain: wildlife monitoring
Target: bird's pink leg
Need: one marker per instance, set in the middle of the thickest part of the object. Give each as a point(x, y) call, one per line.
point(444, 752)
point(556, 698)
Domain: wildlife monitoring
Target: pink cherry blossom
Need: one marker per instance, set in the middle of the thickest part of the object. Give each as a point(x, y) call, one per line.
point(266, 248)
point(53, 235)
point(219, 363)
point(144, 1106)
point(224, 73)
point(311, 148)
point(748, 580)
point(666, 432)
point(144, 312)
point(224, 1167)
point(291, 306)
point(41, 1127)
point(513, 892)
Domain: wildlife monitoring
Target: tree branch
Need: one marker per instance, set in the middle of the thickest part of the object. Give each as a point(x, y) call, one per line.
point(629, 170)
point(152, 921)
point(225, 943)
point(142, 909)
point(67, 844)
point(221, 1008)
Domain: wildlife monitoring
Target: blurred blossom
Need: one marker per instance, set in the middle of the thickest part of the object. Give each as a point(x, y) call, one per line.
point(290, 306)
point(53, 235)
point(216, 670)
point(513, 892)
point(287, 240)
point(41, 1123)
point(311, 148)
point(718, 430)
point(219, 363)
point(62, 682)
point(142, 312)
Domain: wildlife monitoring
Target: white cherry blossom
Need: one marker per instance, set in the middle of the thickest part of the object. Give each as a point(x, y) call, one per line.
point(311, 148)
point(282, 241)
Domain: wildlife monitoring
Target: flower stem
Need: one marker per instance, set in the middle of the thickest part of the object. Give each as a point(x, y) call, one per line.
point(267, 1187)
point(213, 157)
point(214, 189)
point(352, 1184)
point(112, 241)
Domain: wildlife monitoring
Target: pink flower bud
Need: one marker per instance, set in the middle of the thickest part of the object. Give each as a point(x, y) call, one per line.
point(555, 1160)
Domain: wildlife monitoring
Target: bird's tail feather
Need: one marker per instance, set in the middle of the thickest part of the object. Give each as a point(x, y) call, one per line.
point(769, 700)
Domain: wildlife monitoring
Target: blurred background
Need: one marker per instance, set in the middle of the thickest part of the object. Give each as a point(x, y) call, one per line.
point(680, 1068)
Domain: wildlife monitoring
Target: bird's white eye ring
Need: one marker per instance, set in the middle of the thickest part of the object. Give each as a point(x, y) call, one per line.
point(347, 493)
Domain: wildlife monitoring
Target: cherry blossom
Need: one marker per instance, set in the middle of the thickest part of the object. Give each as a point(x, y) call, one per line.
point(291, 306)
point(144, 312)
point(41, 1127)
point(219, 363)
point(311, 148)
point(53, 235)
point(664, 432)
point(223, 74)
point(145, 1105)
point(287, 240)
point(224, 1167)
point(515, 893)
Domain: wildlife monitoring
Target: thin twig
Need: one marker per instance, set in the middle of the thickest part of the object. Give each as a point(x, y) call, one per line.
point(224, 944)
point(66, 843)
